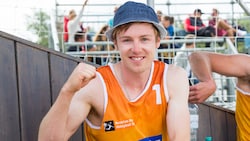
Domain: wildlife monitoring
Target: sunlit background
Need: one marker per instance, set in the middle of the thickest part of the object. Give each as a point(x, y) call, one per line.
point(14, 13)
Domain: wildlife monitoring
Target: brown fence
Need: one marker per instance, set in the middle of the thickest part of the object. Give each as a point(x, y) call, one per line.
point(217, 122)
point(31, 77)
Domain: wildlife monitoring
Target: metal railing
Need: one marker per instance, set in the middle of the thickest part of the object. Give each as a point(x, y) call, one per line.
point(225, 93)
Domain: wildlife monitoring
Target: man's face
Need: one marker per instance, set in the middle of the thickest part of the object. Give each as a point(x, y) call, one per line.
point(137, 46)
point(197, 14)
point(165, 23)
point(83, 38)
point(214, 13)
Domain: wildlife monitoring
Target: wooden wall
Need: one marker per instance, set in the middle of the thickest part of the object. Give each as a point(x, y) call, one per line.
point(217, 122)
point(31, 77)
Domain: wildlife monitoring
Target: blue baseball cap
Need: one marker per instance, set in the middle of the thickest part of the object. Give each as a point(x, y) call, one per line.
point(135, 12)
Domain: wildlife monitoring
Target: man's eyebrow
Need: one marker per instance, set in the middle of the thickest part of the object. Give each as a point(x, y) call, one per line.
point(146, 35)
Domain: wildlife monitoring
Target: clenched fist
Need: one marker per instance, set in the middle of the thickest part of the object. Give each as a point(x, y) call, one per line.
point(80, 77)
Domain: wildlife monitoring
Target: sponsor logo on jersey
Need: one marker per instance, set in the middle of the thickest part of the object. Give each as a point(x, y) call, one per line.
point(109, 126)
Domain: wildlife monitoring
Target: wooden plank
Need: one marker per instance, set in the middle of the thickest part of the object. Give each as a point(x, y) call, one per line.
point(231, 124)
point(218, 124)
point(204, 122)
point(9, 111)
point(60, 69)
point(34, 89)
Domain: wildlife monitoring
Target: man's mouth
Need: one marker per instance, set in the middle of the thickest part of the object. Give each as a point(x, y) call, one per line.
point(137, 58)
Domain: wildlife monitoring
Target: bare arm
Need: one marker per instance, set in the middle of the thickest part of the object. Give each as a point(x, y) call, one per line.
point(178, 121)
point(76, 21)
point(204, 63)
point(53, 125)
point(201, 67)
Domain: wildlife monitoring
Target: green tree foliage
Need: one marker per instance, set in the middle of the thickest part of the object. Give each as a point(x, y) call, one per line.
point(38, 23)
point(244, 22)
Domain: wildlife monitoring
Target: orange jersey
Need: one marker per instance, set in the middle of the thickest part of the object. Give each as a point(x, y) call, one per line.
point(242, 116)
point(143, 119)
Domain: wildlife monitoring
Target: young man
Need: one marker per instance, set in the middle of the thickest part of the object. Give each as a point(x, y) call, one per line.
point(204, 63)
point(134, 99)
point(221, 26)
point(194, 25)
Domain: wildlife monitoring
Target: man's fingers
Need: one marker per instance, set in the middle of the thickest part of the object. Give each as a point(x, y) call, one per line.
point(192, 98)
point(88, 74)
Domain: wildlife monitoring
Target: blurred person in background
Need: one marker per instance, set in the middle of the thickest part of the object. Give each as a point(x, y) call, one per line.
point(159, 15)
point(194, 25)
point(74, 25)
point(99, 37)
point(221, 25)
point(168, 24)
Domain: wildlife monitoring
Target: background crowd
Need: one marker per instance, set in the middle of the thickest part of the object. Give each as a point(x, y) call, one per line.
point(193, 24)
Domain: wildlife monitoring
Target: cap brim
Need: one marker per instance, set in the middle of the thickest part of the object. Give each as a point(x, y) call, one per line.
point(160, 28)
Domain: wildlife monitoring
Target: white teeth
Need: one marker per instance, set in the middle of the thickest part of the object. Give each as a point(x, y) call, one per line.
point(137, 58)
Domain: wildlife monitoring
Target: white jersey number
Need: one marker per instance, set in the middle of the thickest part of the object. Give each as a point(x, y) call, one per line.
point(157, 89)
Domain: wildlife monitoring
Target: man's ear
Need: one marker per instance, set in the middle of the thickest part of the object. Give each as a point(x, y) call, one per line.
point(115, 44)
point(158, 42)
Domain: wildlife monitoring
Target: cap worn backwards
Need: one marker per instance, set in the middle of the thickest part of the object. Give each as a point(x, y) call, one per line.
point(198, 11)
point(135, 12)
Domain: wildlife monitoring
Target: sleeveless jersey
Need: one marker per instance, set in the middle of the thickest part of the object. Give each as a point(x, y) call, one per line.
point(143, 119)
point(242, 116)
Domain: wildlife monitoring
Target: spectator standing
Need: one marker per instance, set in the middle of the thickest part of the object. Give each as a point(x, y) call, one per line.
point(135, 99)
point(74, 23)
point(65, 28)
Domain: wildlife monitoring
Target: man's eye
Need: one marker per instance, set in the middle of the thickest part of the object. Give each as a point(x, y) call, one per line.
point(125, 40)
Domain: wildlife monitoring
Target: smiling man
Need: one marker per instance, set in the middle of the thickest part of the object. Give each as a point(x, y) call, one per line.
point(136, 99)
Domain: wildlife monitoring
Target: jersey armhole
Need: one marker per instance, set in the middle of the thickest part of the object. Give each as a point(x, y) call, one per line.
point(105, 93)
point(165, 82)
point(242, 91)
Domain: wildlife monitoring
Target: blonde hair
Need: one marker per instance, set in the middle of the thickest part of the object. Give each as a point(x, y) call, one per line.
point(72, 14)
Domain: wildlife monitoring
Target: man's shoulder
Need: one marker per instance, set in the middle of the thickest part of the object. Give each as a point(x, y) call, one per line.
point(176, 71)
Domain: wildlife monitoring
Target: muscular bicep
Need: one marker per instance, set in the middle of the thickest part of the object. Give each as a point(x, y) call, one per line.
point(88, 98)
point(82, 102)
point(78, 111)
